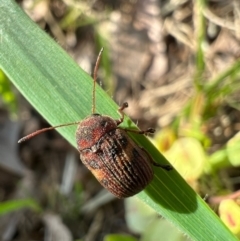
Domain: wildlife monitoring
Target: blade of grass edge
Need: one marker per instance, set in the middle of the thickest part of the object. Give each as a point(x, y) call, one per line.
point(61, 92)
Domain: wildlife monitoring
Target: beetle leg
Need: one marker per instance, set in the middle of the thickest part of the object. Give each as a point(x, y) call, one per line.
point(163, 166)
point(141, 132)
point(120, 111)
point(149, 130)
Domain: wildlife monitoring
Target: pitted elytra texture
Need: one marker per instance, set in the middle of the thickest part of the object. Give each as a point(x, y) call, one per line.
point(124, 169)
point(94, 164)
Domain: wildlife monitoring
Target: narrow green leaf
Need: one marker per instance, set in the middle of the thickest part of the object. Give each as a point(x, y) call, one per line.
point(200, 38)
point(232, 70)
point(62, 93)
point(14, 205)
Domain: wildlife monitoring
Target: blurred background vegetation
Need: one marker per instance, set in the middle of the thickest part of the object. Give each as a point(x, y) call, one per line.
point(177, 65)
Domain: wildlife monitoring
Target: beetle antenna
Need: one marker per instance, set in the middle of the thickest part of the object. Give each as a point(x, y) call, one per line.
point(25, 138)
point(95, 80)
point(35, 133)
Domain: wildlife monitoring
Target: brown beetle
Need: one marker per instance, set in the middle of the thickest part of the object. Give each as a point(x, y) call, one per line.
point(117, 162)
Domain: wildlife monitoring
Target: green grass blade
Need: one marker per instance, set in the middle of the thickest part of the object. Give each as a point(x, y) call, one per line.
point(14, 205)
point(217, 82)
point(62, 92)
point(200, 38)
